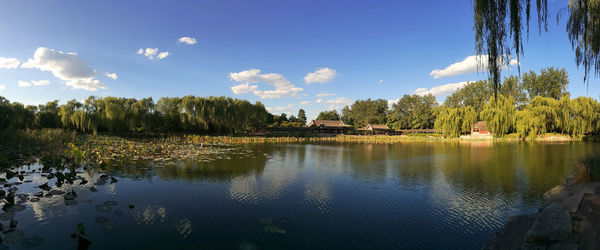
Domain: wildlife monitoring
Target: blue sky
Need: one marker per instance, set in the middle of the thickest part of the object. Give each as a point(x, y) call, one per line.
point(355, 50)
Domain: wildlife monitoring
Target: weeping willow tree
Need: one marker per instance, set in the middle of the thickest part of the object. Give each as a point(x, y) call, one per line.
point(499, 113)
point(454, 121)
point(499, 32)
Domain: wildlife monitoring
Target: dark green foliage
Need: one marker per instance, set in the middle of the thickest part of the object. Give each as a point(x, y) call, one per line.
point(474, 94)
point(302, 116)
point(363, 112)
point(329, 115)
point(498, 26)
point(123, 115)
point(550, 82)
point(413, 112)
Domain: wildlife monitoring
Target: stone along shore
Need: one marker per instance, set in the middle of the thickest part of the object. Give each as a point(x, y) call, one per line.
point(570, 219)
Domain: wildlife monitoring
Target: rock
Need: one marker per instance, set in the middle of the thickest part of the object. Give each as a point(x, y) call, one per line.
point(14, 237)
point(556, 193)
point(563, 246)
point(512, 234)
point(552, 224)
point(32, 242)
point(572, 202)
point(69, 197)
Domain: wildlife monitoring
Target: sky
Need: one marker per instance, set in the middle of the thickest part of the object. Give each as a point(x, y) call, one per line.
point(287, 54)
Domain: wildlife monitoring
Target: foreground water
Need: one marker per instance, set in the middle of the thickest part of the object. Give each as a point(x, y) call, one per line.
point(297, 196)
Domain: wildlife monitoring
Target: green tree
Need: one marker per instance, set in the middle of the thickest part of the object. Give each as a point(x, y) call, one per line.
point(329, 115)
point(498, 26)
point(363, 112)
point(500, 115)
point(454, 121)
point(512, 87)
point(550, 82)
point(413, 112)
point(474, 94)
point(302, 116)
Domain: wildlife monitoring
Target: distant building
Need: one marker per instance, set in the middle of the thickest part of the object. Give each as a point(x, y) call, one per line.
point(378, 129)
point(328, 127)
point(480, 128)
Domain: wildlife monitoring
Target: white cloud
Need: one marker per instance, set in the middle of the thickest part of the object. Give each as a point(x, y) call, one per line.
point(283, 87)
point(324, 94)
point(283, 109)
point(2, 87)
point(306, 103)
point(442, 90)
point(243, 88)
point(152, 53)
point(33, 83)
point(322, 75)
point(188, 40)
point(162, 55)
point(9, 63)
point(380, 81)
point(335, 103)
point(67, 66)
point(111, 75)
point(467, 65)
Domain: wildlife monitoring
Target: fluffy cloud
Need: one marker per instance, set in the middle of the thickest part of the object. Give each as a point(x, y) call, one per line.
point(152, 53)
point(380, 81)
point(283, 87)
point(67, 66)
point(324, 94)
point(33, 83)
point(335, 103)
point(442, 90)
point(2, 87)
point(9, 63)
point(243, 88)
point(306, 103)
point(283, 109)
point(467, 65)
point(111, 75)
point(321, 75)
point(188, 40)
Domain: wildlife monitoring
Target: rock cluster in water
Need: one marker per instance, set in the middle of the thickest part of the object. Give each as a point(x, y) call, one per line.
point(569, 220)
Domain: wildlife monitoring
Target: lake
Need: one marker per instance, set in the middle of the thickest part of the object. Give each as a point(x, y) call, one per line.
point(426, 195)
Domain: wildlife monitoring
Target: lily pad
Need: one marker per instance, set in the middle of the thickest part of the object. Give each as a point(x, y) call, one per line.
point(14, 237)
point(34, 199)
point(111, 203)
point(71, 202)
point(101, 219)
point(93, 189)
point(16, 208)
point(102, 208)
point(32, 242)
point(265, 220)
point(107, 227)
point(57, 192)
point(274, 229)
point(7, 216)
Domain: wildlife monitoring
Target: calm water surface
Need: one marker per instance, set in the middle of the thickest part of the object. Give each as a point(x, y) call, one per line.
point(297, 196)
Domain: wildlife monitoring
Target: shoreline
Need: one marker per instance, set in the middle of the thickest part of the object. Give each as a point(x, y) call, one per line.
point(569, 219)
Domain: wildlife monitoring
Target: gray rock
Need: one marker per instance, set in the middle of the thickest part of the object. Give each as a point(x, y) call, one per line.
point(563, 246)
point(552, 224)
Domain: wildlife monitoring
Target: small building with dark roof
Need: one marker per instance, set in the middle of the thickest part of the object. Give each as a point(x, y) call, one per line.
point(378, 129)
point(328, 127)
point(480, 128)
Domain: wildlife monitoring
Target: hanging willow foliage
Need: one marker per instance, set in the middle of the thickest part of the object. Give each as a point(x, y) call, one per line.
point(583, 28)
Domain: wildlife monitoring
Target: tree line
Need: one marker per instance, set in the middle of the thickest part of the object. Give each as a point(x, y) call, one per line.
point(111, 114)
point(531, 105)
